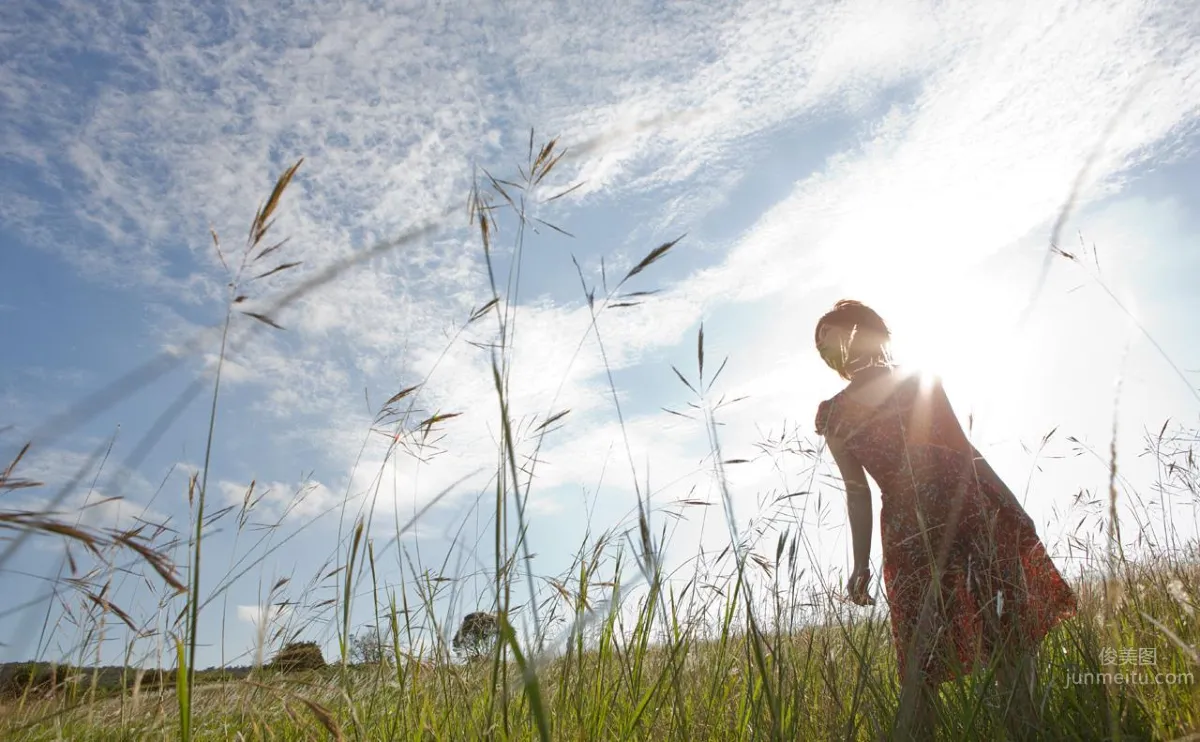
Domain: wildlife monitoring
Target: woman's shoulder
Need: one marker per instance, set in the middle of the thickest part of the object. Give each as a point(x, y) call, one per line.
point(823, 422)
point(899, 385)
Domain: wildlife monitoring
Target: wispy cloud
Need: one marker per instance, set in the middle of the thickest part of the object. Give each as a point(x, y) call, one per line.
point(105, 494)
point(272, 501)
point(259, 616)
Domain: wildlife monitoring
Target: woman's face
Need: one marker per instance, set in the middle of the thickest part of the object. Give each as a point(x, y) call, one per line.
point(833, 343)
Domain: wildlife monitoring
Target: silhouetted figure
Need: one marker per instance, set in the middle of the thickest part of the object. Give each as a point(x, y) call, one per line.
point(967, 578)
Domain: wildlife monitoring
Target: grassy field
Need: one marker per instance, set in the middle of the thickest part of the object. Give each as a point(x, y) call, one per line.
point(831, 682)
point(754, 648)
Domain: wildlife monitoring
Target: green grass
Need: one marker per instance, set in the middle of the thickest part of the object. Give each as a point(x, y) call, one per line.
point(834, 682)
point(747, 646)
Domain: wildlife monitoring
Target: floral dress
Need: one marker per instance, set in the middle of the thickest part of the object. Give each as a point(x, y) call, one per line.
point(960, 555)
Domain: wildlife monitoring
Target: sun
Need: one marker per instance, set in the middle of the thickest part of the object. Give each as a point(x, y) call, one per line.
point(966, 333)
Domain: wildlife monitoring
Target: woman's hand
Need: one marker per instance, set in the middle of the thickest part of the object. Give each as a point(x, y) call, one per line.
point(856, 586)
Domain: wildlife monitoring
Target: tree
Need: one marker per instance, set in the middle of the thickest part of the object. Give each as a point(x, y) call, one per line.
point(477, 635)
point(371, 646)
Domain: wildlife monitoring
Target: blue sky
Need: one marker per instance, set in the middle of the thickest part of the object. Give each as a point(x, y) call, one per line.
point(911, 154)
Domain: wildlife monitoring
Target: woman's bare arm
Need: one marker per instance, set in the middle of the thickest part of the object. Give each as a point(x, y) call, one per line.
point(858, 500)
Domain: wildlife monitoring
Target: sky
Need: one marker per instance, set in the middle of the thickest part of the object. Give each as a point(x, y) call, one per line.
point(914, 155)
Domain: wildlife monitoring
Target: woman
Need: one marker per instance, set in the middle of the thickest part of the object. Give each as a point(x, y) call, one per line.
point(966, 576)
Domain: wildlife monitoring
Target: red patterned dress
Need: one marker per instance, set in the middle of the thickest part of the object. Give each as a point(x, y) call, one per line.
point(946, 524)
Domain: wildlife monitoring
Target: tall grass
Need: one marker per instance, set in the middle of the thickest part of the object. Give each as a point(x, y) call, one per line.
point(748, 644)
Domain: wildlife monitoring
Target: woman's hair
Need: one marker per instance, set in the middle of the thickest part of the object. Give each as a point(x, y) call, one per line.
point(869, 334)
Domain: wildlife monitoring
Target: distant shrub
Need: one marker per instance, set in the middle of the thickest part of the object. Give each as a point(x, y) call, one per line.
point(298, 656)
point(477, 634)
point(34, 678)
point(371, 647)
point(219, 675)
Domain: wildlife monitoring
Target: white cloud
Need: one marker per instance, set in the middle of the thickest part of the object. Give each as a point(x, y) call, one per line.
point(270, 501)
point(96, 492)
point(255, 615)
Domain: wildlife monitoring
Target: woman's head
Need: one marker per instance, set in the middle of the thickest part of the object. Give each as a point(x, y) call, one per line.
point(850, 336)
